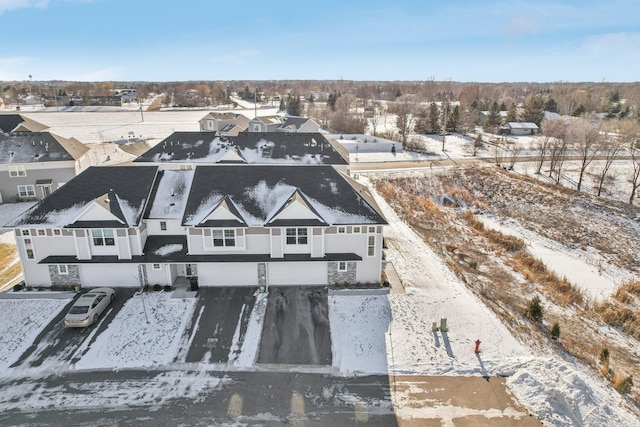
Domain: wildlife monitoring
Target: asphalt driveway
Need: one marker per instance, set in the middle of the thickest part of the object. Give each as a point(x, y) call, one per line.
point(296, 327)
point(218, 313)
point(61, 344)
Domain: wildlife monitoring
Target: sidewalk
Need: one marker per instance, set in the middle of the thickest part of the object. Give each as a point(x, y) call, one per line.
point(394, 281)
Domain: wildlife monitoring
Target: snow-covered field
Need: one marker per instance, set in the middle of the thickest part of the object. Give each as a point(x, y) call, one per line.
point(370, 333)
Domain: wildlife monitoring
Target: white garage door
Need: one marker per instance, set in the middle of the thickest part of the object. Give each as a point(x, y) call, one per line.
point(297, 273)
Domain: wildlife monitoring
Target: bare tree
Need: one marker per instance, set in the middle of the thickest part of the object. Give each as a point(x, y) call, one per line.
point(558, 154)
point(611, 146)
point(406, 112)
point(551, 129)
point(630, 138)
point(375, 117)
point(585, 138)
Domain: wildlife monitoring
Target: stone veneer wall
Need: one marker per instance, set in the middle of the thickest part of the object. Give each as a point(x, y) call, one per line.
point(335, 277)
point(69, 279)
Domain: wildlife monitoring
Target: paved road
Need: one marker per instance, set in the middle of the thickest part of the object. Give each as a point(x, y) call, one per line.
point(57, 343)
point(266, 399)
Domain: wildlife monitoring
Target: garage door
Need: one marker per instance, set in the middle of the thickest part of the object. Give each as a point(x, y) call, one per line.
point(297, 273)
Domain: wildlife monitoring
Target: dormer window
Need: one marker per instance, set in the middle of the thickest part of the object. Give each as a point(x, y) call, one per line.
point(223, 238)
point(17, 171)
point(297, 236)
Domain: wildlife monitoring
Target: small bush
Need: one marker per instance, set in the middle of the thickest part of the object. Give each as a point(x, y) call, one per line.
point(604, 356)
point(555, 331)
point(157, 287)
point(535, 311)
point(623, 385)
point(18, 287)
point(167, 288)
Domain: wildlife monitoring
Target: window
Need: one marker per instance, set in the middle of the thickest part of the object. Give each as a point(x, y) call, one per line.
point(223, 238)
point(56, 232)
point(103, 237)
point(342, 266)
point(356, 229)
point(371, 246)
point(372, 229)
point(156, 266)
point(62, 269)
point(17, 170)
point(342, 230)
point(26, 191)
point(163, 225)
point(25, 232)
point(41, 232)
point(296, 236)
point(30, 254)
point(27, 241)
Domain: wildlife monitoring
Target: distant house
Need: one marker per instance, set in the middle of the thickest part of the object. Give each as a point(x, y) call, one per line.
point(33, 164)
point(19, 123)
point(232, 225)
point(264, 124)
point(517, 128)
point(298, 124)
point(226, 124)
point(184, 149)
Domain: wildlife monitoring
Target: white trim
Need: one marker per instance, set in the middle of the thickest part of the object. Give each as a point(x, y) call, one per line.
point(340, 266)
point(63, 269)
point(29, 189)
point(17, 171)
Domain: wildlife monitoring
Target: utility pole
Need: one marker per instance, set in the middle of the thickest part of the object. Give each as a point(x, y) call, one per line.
point(444, 123)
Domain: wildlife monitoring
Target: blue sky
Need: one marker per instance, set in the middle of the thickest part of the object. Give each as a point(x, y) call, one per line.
point(481, 41)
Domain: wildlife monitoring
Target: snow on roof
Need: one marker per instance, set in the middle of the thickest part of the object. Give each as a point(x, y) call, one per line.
point(522, 125)
point(171, 194)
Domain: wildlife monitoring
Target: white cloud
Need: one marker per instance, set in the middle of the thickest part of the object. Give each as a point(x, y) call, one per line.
point(522, 24)
point(6, 5)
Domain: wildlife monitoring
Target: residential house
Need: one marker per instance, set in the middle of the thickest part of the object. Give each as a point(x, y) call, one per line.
point(225, 124)
point(33, 164)
point(264, 124)
point(181, 150)
point(240, 225)
point(519, 128)
point(298, 124)
point(19, 123)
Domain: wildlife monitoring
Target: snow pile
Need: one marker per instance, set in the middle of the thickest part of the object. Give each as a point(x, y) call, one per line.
point(168, 249)
point(22, 321)
point(562, 396)
point(132, 341)
point(248, 353)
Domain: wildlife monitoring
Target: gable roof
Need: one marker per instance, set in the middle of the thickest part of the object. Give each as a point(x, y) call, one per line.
point(268, 120)
point(127, 189)
point(104, 197)
point(293, 122)
point(260, 192)
point(30, 147)
point(19, 123)
point(253, 147)
point(522, 125)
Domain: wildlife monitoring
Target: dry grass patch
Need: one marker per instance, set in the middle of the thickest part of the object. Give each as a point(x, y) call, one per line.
point(9, 267)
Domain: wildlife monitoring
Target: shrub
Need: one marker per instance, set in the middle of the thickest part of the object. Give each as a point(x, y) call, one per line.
point(555, 331)
point(604, 356)
point(157, 287)
point(535, 311)
point(623, 385)
point(167, 288)
point(17, 287)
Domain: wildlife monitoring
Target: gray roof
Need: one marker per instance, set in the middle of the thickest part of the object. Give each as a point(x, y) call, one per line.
point(30, 147)
point(522, 125)
point(255, 194)
point(252, 147)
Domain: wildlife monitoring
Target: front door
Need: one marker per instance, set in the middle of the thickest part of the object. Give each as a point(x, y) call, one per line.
point(188, 270)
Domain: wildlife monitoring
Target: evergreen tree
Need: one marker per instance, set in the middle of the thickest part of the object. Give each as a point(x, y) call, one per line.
point(551, 105)
point(434, 119)
point(293, 106)
point(512, 114)
point(503, 107)
point(453, 119)
point(282, 106)
point(534, 109)
point(494, 116)
point(422, 122)
point(535, 311)
point(331, 102)
point(580, 110)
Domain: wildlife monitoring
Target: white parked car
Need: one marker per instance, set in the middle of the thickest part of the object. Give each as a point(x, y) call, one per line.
point(86, 310)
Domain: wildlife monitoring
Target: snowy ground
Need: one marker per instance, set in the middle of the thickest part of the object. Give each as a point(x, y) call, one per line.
point(370, 333)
